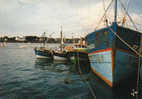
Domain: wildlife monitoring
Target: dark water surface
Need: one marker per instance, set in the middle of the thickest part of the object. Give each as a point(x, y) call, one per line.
point(22, 76)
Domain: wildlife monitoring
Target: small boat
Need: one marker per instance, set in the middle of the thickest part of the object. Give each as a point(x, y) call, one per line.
point(78, 55)
point(59, 56)
point(78, 52)
point(60, 53)
point(113, 53)
point(43, 51)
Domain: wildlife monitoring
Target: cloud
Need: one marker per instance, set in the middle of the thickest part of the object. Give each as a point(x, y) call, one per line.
point(91, 16)
point(32, 17)
point(137, 19)
point(27, 2)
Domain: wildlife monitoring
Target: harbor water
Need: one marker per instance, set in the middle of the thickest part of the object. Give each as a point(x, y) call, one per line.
point(22, 76)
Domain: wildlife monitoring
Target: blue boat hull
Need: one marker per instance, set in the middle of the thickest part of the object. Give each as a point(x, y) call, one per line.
point(110, 59)
point(43, 53)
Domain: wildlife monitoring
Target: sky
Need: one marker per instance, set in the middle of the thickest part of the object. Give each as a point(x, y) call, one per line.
point(77, 17)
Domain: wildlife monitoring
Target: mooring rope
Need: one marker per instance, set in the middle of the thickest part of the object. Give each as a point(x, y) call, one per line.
point(140, 56)
point(138, 53)
point(123, 41)
point(129, 46)
point(80, 72)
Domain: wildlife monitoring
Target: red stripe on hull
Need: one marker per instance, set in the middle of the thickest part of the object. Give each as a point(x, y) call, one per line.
point(103, 50)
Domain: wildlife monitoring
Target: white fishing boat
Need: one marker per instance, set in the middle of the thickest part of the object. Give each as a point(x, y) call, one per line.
point(60, 53)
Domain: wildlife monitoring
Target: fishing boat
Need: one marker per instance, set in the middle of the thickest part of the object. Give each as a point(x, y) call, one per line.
point(78, 52)
point(43, 51)
point(113, 52)
point(60, 53)
point(60, 56)
point(78, 56)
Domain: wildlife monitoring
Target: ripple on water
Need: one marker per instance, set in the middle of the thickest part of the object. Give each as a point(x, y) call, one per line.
point(24, 77)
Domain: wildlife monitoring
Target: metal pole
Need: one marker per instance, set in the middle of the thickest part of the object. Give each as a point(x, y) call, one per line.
point(61, 39)
point(115, 11)
point(44, 39)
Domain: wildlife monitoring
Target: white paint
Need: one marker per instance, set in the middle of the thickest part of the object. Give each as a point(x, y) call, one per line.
point(58, 58)
point(38, 56)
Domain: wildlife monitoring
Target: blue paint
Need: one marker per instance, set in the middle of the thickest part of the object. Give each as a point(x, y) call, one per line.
point(125, 64)
point(102, 39)
point(130, 36)
point(45, 53)
point(102, 63)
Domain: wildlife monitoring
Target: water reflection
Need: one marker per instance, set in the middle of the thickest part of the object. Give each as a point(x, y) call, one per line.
point(57, 73)
point(43, 62)
point(65, 70)
point(50, 65)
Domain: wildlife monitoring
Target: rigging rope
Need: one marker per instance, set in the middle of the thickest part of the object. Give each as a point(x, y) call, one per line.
point(128, 45)
point(104, 14)
point(104, 5)
point(127, 5)
point(128, 15)
point(105, 17)
point(138, 53)
point(80, 72)
point(138, 23)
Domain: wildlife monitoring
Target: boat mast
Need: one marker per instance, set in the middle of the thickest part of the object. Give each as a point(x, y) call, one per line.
point(61, 43)
point(115, 11)
point(44, 39)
